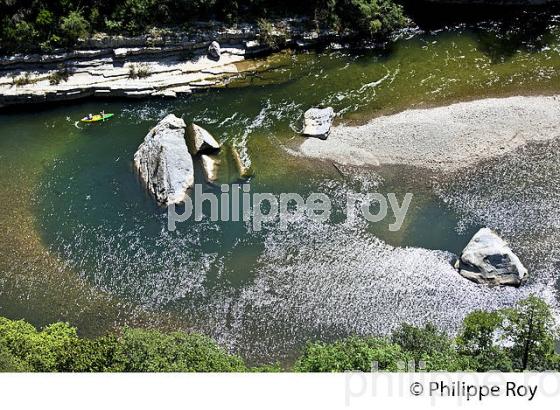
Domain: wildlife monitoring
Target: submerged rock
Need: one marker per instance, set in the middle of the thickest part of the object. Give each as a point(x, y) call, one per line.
point(164, 163)
point(487, 259)
point(243, 170)
point(214, 50)
point(200, 140)
point(210, 166)
point(318, 122)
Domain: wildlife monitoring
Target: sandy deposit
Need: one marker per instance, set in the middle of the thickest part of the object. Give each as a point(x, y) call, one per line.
point(443, 138)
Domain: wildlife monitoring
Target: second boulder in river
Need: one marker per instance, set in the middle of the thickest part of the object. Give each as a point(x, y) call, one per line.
point(318, 122)
point(200, 140)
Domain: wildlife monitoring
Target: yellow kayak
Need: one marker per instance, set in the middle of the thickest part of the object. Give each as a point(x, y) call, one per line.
point(97, 118)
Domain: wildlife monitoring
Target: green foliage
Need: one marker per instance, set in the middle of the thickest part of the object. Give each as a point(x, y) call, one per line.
point(57, 348)
point(326, 14)
point(430, 348)
point(23, 79)
point(529, 327)
point(421, 340)
point(352, 354)
point(152, 351)
point(514, 339)
point(138, 71)
point(44, 351)
point(268, 35)
point(10, 363)
point(27, 26)
point(137, 15)
point(74, 26)
point(20, 34)
point(480, 340)
point(94, 355)
point(59, 76)
point(374, 19)
point(45, 19)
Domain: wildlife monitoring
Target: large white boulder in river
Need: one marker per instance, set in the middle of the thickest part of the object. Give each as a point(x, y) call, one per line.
point(164, 163)
point(488, 259)
point(200, 140)
point(318, 122)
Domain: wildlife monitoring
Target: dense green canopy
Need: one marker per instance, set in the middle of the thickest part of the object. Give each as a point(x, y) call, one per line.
point(39, 24)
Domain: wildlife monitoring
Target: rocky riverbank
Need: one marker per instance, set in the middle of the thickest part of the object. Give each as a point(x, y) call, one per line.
point(443, 138)
point(164, 64)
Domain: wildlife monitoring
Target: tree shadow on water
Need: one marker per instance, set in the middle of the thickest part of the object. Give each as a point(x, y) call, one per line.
point(500, 30)
point(504, 39)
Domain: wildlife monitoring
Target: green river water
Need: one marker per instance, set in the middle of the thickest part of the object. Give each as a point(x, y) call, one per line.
point(81, 241)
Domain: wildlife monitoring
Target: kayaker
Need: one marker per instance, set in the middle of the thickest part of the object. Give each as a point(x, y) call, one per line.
point(90, 116)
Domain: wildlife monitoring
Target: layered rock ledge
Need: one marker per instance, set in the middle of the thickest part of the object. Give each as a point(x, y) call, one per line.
point(152, 65)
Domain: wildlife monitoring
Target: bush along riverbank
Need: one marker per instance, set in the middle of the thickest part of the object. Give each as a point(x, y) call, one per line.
point(511, 339)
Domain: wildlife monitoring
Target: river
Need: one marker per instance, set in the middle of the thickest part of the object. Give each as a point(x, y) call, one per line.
point(81, 241)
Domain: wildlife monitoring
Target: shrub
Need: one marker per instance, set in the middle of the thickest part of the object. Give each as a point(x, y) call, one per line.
point(59, 76)
point(138, 71)
point(508, 339)
point(371, 18)
point(44, 351)
point(22, 80)
point(352, 354)
point(138, 15)
point(21, 35)
point(430, 348)
point(30, 25)
point(57, 348)
point(73, 27)
point(269, 36)
point(45, 19)
point(11, 363)
point(152, 351)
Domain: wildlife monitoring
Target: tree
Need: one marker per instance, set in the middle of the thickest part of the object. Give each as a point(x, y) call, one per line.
point(74, 26)
point(372, 18)
point(518, 338)
point(44, 351)
point(57, 348)
point(138, 15)
point(18, 34)
point(421, 340)
point(529, 328)
point(363, 354)
point(430, 348)
point(152, 351)
point(10, 363)
point(101, 354)
point(479, 340)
